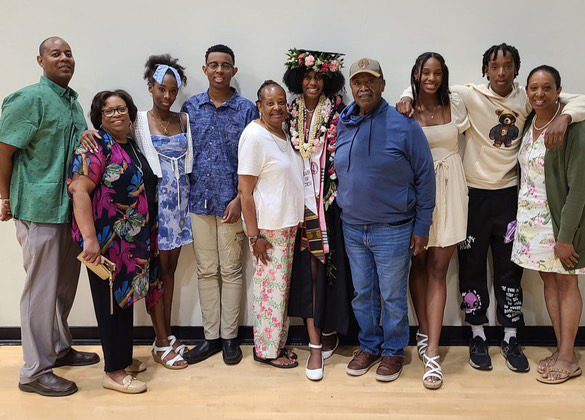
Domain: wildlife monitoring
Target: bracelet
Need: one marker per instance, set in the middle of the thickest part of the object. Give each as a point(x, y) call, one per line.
point(254, 239)
point(5, 200)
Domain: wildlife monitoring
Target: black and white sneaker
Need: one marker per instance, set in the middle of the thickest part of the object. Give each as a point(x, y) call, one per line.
point(479, 356)
point(515, 358)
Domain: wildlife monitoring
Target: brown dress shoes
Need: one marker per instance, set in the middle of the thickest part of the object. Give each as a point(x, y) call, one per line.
point(77, 358)
point(50, 385)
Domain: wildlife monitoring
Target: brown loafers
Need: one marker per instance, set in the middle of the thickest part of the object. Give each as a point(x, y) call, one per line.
point(50, 385)
point(77, 358)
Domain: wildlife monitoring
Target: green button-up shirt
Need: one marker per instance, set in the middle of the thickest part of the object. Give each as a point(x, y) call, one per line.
point(44, 121)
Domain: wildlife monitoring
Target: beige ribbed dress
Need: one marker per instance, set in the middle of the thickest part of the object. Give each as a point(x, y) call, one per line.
point(450, 216)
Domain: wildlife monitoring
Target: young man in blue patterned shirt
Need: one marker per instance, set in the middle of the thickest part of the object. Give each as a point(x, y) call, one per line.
point(217, 118)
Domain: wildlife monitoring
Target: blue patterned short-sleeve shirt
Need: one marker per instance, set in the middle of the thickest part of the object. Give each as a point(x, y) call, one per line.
point(216, 134)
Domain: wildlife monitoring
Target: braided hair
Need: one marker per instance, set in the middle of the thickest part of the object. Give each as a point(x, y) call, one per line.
point(492, 53)
point(416, 73)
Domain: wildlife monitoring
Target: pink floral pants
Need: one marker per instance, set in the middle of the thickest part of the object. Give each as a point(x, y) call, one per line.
point(271, 285)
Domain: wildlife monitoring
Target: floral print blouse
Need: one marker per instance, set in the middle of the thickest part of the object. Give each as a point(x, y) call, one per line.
point(126, 230)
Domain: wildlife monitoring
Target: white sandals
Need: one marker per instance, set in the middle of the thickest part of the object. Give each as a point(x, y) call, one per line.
point(434, 371)
point(315, 374)
point(181, 349)
point(422, 342)
point(328, 353)
point(169, 364)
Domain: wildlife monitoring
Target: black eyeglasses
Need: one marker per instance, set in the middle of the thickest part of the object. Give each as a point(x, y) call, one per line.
point(109, 112)
point(214, 65)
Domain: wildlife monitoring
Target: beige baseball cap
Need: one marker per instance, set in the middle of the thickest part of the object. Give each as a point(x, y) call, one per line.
point(366, 65)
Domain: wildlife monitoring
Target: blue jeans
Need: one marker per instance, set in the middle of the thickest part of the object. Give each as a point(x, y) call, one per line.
point(379, 257)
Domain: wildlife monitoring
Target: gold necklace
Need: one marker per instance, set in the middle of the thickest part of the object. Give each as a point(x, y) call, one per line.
point(164, 129)
point(422, 110)
point(307, 147)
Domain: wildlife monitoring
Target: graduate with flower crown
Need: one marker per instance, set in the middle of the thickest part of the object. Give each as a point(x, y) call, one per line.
point(321, 289)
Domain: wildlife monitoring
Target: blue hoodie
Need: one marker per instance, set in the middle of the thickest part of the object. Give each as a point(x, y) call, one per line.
point(385, 169)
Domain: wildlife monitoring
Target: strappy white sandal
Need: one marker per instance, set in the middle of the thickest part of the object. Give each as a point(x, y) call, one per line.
point(181, 349)
point(434, 371)
point(328, 353)
point(169, 364)
point(422, 342)
point(315, 374)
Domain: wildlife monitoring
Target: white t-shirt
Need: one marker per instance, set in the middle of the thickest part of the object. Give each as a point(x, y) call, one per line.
point(279, 193)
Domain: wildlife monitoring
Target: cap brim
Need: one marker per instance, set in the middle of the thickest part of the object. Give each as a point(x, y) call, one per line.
point(372, 72)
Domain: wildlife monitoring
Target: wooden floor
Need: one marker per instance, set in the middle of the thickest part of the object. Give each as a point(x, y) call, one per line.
point(212, 390)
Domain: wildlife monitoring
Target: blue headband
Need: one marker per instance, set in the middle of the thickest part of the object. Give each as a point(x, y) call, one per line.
point(161, 71)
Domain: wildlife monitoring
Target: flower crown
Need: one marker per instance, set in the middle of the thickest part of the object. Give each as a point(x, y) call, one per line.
point(318, 61)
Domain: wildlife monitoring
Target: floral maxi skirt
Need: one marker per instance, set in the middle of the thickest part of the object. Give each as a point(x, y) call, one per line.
point(271, 285)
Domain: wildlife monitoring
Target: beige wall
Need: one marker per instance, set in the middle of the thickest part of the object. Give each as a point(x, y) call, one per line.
point(112, 39)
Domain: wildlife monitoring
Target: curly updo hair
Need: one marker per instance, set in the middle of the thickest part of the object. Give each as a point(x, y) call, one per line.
point(163, 59)
point(97, 104)
point(293, 79)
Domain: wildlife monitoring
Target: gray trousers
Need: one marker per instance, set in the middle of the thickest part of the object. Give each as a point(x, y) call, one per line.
point(52, 274)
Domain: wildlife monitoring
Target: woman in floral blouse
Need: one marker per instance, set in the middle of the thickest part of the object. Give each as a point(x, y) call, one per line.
point(271, 190)
point(114, 202)
point(321, 289)
point(550, 219)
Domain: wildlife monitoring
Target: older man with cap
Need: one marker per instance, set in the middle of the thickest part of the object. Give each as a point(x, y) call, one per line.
point(387, 196)
point(40, 128)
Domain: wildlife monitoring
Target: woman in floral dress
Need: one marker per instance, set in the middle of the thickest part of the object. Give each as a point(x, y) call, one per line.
point(550, 218)
point(321, 289)
point(271, 189)
point(164, 137)
point(114, 202)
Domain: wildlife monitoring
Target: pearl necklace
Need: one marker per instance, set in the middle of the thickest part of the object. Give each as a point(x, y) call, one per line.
point(549, 121)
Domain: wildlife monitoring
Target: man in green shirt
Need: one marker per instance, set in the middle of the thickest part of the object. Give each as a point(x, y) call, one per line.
point(40, 127)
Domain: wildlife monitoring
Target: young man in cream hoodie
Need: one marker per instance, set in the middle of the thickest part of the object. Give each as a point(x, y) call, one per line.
point(497, 112)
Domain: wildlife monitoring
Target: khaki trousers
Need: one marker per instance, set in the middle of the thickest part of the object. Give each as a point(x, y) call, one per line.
point(52, 273)
point(218, 250)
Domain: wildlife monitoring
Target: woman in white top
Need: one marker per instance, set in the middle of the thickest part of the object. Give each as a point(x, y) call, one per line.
point(442, 117)
point(271, 190)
